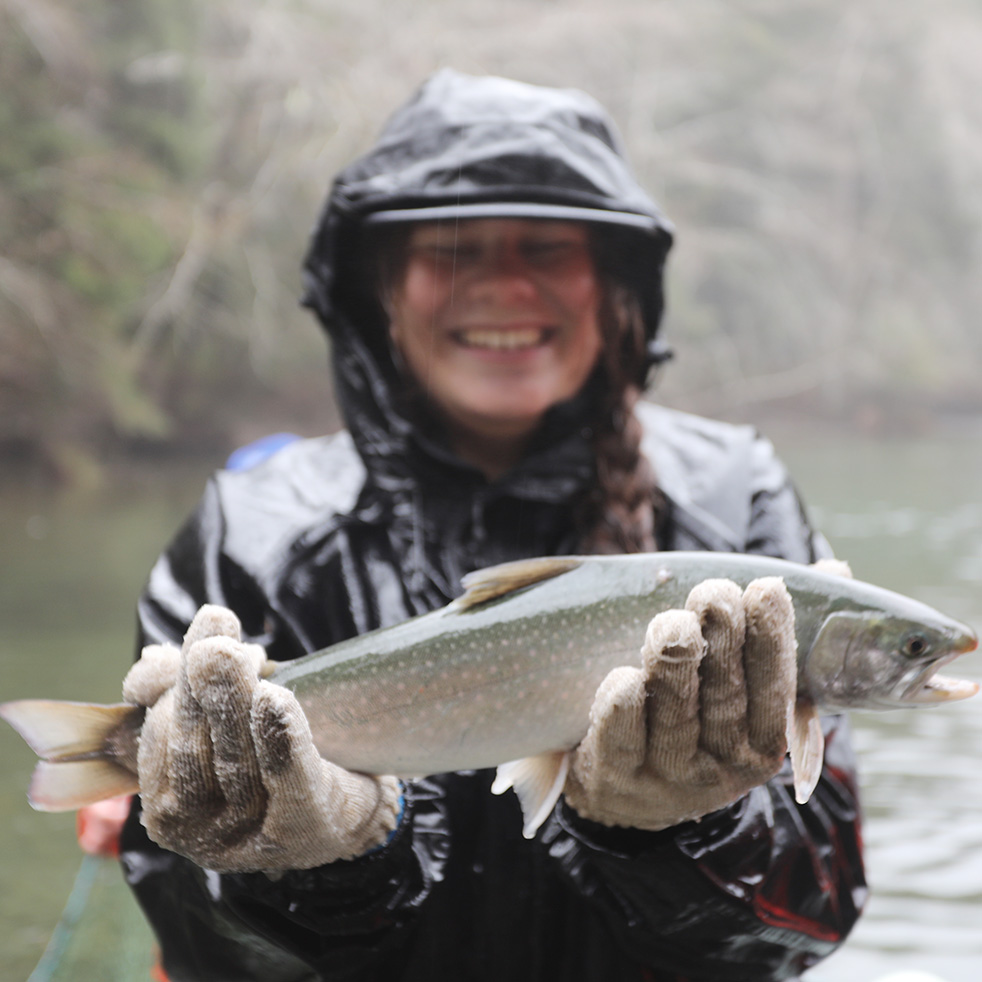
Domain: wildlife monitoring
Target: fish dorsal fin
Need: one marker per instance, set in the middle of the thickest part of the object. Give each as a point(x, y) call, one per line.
point(497, 581)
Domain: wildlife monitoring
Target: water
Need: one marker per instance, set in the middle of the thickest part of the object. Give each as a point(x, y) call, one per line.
point(71, 567)
point(906, 514)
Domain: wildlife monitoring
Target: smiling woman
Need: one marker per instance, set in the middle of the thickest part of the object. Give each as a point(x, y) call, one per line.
point(490, 278)
point(497, 319)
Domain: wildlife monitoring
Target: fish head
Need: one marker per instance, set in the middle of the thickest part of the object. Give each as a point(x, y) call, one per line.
point(870, 659)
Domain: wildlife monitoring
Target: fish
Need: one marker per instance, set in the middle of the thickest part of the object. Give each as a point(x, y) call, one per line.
point(505, 675)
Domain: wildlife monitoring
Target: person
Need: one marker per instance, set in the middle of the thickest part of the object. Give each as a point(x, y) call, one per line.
point(490, 278)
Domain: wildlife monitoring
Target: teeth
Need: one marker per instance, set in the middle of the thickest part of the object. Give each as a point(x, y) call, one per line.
point(944, 689)
point(501, 340)
point(941, 688)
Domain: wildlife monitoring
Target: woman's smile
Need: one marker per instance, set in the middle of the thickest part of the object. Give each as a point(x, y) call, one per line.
point(507, 339)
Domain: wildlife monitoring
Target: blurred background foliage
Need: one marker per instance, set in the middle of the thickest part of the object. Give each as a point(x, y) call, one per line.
point(162, 161)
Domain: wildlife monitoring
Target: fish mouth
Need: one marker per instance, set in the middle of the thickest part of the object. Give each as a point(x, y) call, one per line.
point(928, 688)
point(941, 688)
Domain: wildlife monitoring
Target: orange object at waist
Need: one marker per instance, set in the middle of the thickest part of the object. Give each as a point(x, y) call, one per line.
point(99, 826)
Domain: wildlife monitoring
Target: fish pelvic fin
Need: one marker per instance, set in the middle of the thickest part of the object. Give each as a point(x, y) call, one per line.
point(497, 581)
point(806, 742)
point(87, 751)
point(538, 781)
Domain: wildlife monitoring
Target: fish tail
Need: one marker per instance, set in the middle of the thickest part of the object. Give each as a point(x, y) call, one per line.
point(87, 751)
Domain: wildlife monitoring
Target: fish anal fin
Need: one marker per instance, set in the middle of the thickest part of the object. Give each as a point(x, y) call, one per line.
point(538, 781)
point(806, 742)
point(60, 787)
point(496, 581)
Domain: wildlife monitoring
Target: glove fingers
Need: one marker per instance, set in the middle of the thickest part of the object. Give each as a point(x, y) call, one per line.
point(153, 755)
point(719, 606)
point(672, 654)
point(209, 622)
point(616, 732)
point(189, 753)
point(177, 785)
point(837, 567)
point(157, 670)
point(193, 788)
point(310, 799)
point(222, 679)
point(285, 750)
point(771, 664)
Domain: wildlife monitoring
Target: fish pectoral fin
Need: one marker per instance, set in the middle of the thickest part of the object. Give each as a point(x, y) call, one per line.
point(61, 787)
point(538, 782)
point(496, 581)
point(806, 741)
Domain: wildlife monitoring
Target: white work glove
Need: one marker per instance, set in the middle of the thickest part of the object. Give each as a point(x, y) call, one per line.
point(702, 722)
point(229, 776)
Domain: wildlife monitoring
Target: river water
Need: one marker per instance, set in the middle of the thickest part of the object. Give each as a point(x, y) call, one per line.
point(907, 514)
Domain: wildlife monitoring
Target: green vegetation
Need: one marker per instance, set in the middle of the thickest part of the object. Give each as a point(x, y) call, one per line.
point(92, 170)
point(161, 162)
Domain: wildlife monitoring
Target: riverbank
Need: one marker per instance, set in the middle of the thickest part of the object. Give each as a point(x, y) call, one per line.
point(95, 467)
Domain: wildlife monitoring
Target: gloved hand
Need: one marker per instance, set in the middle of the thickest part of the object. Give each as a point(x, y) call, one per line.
point(229, 776)
point(702, 722)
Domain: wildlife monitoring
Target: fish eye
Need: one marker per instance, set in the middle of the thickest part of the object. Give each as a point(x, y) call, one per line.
point(914, 645)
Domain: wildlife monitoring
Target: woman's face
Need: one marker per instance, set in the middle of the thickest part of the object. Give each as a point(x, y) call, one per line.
point(497, 319)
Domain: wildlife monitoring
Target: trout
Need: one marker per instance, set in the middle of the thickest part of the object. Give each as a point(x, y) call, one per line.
point(505, 675)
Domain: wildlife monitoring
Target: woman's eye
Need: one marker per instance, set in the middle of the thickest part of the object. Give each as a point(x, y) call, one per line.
point(549, 251)
point(465, 253)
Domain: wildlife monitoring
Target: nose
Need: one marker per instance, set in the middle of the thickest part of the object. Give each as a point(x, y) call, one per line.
point(504, 275)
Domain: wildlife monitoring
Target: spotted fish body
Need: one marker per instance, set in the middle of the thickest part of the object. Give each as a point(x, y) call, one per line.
point(506, 675)
point(510, 670)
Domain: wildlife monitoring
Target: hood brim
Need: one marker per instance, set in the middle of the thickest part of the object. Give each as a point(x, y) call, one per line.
point(516, 209)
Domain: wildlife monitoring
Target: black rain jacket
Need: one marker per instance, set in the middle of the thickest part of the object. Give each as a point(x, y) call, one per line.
point(332, 537)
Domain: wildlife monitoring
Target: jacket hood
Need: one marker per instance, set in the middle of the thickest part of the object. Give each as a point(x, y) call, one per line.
point(463, 147)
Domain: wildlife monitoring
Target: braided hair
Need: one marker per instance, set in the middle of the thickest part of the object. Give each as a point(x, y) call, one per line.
point(620, 512)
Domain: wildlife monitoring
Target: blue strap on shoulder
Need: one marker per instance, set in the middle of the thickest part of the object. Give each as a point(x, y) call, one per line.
point(248, 456)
